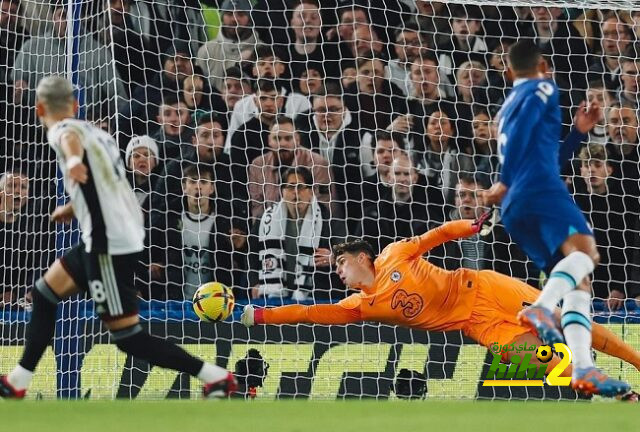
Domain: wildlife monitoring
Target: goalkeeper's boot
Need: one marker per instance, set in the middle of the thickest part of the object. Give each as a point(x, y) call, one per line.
point(222, 388)
point(542, 322)
point(591, 381)
point(7, 391)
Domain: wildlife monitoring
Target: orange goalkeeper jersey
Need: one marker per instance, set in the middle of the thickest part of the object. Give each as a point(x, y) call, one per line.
point(408, 290)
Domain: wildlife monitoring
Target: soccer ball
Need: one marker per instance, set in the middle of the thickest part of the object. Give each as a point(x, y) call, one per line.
point(544, 353)
point(213, 302)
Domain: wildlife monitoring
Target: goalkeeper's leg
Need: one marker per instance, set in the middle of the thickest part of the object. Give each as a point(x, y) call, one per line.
point(604, 340)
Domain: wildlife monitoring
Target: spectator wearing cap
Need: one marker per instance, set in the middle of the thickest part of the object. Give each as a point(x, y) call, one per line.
point(141, 159)
point(236, 34)
point(265, 172)
point(267, 65)
point(47, 55)
point(137, 117)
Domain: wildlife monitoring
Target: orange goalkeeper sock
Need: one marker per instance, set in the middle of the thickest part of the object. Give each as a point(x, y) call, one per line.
point(606, 341)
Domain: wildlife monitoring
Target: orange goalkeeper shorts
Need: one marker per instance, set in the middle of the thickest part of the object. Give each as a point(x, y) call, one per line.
point(498, 301)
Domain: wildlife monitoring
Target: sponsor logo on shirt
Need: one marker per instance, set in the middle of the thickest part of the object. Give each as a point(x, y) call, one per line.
point(411, 304)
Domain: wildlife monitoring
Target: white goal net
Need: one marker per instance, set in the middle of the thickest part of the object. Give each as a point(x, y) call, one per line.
point(371, 119)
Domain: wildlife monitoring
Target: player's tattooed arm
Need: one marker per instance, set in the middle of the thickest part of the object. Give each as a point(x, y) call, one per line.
point(73, 151)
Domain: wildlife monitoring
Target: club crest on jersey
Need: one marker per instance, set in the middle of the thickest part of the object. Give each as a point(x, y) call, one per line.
point(396, 276)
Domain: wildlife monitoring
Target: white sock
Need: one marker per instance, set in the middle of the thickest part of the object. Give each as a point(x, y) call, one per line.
point(20, 378)
point(563, 279)
point(211, 373)
point(576, 326)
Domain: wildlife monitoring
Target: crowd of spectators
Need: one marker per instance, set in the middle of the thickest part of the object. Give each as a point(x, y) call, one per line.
point(258, 134)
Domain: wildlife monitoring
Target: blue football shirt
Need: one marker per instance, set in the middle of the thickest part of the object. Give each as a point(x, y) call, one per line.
point(529, 147)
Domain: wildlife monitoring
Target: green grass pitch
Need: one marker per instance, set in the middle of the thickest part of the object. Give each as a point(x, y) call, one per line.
point(307, 416)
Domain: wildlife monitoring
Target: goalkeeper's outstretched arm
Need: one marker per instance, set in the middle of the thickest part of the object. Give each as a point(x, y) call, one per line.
point(451, 231)
point(294, 314)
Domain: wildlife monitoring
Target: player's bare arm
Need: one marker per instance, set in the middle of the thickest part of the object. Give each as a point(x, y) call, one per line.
point(63, 214)
point(494, 195)
point(73, 154)
point(587, 116)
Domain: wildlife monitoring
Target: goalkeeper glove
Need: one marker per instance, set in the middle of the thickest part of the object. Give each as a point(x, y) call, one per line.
point(485, 223)
point(247, 317)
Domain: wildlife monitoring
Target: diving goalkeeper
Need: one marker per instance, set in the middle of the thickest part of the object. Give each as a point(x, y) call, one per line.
point(399, 287)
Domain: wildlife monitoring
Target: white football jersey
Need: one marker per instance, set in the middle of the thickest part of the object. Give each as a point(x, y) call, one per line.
point(110, 217)
point(196, 231)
